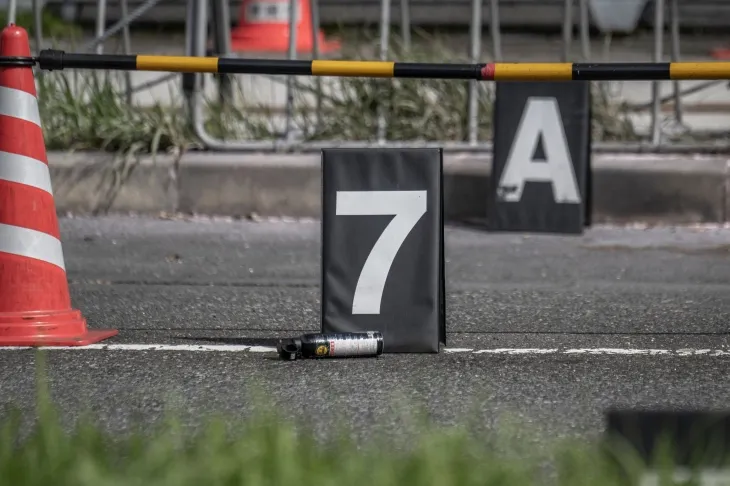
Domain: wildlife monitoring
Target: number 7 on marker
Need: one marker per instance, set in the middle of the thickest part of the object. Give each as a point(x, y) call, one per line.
point(408, 207)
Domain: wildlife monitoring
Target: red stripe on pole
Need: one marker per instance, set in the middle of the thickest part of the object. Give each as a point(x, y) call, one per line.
point(488, 72)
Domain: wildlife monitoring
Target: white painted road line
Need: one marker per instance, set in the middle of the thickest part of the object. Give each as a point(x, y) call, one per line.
point(597, 351)
point(231, 348)
point(221, 348)
point(517, 351)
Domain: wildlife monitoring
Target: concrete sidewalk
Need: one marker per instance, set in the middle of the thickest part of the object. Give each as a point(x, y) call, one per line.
point(651, 189)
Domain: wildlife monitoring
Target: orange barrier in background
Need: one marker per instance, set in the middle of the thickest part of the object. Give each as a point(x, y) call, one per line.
point(263, 26)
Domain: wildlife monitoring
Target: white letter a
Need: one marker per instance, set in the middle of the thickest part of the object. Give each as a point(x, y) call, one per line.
point(541, 118)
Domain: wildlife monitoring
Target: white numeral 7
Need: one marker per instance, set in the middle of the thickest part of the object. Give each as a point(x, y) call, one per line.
point(408, 207)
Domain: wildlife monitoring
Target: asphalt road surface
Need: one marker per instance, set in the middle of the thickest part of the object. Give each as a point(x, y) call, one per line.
point(545, 330)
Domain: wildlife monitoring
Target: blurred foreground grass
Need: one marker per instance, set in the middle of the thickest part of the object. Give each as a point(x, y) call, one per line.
point(268, 450)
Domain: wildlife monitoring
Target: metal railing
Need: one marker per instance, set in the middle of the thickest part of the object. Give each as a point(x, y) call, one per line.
point(206, 18)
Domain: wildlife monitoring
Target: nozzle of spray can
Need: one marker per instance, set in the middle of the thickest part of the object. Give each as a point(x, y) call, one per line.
point(335, 345)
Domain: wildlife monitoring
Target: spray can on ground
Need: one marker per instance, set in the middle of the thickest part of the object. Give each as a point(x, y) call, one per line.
point(335, 345)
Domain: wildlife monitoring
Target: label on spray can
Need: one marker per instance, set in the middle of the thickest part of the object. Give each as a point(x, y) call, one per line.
point(349, 345)
point(341, 345)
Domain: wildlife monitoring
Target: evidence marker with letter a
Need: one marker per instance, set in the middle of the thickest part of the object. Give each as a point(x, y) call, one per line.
point(334, 345)
point(540, 120)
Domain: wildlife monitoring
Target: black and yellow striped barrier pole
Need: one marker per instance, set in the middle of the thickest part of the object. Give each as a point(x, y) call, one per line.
point(50, 59)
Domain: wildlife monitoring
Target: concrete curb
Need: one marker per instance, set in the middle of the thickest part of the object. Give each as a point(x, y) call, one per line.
point(626, 188)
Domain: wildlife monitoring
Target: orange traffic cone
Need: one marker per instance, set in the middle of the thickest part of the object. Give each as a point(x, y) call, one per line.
point(35, 307)
point(264, 27)
point(720, 53)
